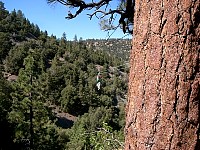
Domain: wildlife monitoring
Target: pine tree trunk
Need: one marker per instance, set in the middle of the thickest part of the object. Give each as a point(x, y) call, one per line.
point(164, 84)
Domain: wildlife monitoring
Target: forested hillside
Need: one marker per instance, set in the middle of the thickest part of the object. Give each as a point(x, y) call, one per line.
point(117, 47)
point(55, 93)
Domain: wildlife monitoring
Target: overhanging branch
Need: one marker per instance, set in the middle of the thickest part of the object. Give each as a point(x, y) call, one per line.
point(126, 14)
point(111, 12)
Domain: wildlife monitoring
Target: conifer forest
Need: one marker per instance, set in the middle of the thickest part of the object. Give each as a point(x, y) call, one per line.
point(58, 94)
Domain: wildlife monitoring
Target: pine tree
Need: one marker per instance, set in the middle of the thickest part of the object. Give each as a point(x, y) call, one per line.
point(33, 120)
point(6, 129)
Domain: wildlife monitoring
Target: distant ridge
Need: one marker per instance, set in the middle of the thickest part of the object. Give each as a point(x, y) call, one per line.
point(118, 47)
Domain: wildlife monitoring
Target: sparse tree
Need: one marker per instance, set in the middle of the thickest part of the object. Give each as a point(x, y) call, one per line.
point(75, 38)
point(64, 37)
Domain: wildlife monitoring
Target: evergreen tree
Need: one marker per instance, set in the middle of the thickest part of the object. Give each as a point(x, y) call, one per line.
point(6, 129)
point(3, 11)
point(75, 38)
point(62, 73)
point(5, 45)
point(29, 114)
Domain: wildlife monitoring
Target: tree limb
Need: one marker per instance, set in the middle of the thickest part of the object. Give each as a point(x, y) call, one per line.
point(105, 13)
point(126, 15)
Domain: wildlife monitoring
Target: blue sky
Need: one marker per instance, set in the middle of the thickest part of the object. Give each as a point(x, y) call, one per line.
point(52, 18)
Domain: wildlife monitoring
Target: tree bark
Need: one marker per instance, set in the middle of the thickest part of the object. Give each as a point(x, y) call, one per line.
point(164, 84)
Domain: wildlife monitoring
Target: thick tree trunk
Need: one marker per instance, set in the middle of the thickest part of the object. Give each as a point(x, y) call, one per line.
point(164, 85)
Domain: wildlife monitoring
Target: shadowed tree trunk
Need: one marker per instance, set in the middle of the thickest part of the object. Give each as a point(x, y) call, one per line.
point(164, 85)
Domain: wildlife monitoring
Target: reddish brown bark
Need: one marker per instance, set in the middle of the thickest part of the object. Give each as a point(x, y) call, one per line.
point(164, 85)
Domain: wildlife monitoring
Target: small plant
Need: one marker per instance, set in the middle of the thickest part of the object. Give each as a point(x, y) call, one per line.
point(104, 139)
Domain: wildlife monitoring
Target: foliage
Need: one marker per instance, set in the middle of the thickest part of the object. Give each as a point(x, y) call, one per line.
point(56, 72)
point(5, 45)
point(104, 138)
point(30, 116)
point(92, 132)
point(6, 129)
point(117, 47)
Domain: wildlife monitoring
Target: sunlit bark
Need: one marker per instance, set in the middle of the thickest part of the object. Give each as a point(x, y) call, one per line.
point(164, 85)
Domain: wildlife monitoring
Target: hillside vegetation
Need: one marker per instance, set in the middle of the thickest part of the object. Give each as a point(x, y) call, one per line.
point(118, 47)
point(49, 97)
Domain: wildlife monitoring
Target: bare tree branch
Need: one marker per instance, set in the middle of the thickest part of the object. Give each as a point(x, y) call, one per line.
point(111, 12)
point(126, 14)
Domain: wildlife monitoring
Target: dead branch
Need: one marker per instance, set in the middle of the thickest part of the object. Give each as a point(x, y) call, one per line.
point(126, 14)
point(111, 12)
